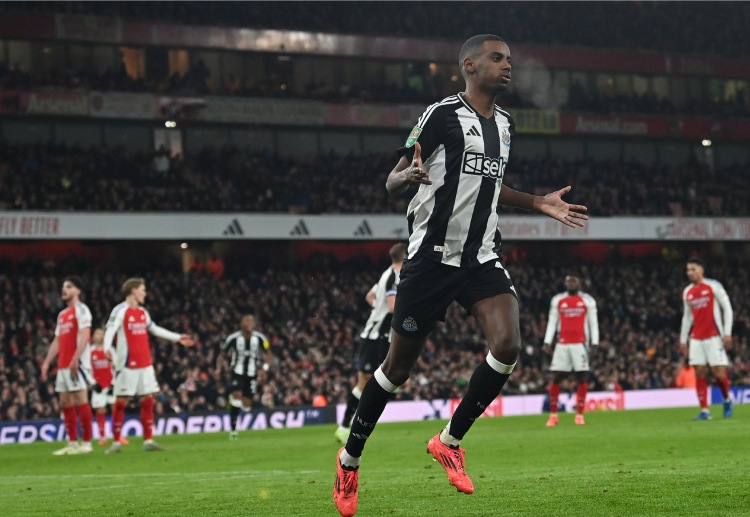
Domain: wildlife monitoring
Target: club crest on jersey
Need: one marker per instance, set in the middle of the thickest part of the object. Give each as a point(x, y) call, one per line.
point(413, 136)
point(505, 137)
point(410, 324)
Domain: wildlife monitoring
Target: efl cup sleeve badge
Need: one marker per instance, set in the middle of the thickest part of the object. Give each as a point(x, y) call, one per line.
point(414, 135)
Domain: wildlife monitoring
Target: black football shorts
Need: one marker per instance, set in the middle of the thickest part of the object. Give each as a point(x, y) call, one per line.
point(426, 288)
point(371, 354)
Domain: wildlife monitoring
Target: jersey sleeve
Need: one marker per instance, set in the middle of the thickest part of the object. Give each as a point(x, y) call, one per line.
point(113, 325)
point(722, 298)
point(687, 318)
point(592, 319)
point(160, 332)
point(429, 132)
point(228, 343)
point(264, 341)
point(83, 315)
point(552, 321)
point(391, 284)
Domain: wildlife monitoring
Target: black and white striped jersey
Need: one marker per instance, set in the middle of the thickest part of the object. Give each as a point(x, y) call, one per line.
point(247, 354)
point(454, 220)
point(378, 325)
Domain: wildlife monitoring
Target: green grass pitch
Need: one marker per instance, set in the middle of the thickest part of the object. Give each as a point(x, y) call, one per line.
point(657, 462)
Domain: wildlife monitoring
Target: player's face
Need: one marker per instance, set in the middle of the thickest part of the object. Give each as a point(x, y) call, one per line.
point(140, 293)
point(572, 283)
point(98, 337)
point(493, 66)
point(694, 272)
point(247, 324)
point(69, 291)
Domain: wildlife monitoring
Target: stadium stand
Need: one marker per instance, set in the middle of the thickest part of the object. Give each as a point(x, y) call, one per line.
point(311, 327)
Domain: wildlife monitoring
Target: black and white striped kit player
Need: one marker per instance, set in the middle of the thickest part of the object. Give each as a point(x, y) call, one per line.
point(247, 353)
point(454, 220)
point(375, 337)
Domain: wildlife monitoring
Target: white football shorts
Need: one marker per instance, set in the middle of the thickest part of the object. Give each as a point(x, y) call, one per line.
point(103, 399)
point(130, 382)
point(708, 352)
point(66, 384)
point(570, 358)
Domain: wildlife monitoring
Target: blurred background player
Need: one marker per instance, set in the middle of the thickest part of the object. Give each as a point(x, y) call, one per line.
point(72, 335)
point(572, 315)
point(134, 370)
point(249, 349)
point(707, 317)
point(101, 391)
point(375, 338)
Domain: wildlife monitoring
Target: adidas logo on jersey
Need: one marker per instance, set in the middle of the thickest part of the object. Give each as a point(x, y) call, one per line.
point(300, 228)
point(234, 228)
point(473, 132)
point(410, 324)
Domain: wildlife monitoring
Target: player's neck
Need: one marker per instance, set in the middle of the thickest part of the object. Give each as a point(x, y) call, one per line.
point(72, 302)
point(483, 103)
point(131, 302)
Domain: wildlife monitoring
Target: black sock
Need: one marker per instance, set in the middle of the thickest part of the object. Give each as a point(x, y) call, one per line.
point(351, 406)
point(234, 412)
point(484, 386)
point(371, 406)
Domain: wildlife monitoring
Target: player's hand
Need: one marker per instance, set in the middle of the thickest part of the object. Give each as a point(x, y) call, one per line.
point(186, 340)
point(683, 348)
point(45, 371)
point(108, 354)
point(96, 388)
point(553, 206)
point(547, 349)
point(727, 340)
point(415, 172)
point(74, 369)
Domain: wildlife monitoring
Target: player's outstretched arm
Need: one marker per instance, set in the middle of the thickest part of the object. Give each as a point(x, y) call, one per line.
point(551, 205)
point(405, 173)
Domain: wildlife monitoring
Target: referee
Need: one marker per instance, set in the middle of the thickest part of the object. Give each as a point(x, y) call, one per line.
point(375, 338)
point(249, 348)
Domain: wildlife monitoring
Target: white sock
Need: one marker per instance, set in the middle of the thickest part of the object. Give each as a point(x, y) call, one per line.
point(357, 392)
point(347, 460)
point(447, 439)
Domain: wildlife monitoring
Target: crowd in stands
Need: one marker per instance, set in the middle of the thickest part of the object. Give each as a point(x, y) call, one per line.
point(313, 312)
point(53, 177)
point(421, 88)
point(699, 27)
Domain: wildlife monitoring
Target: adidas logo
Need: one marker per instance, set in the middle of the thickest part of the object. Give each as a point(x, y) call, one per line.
point(234, 228)
point(300, 228)
point(473, 132)
point(363, 229)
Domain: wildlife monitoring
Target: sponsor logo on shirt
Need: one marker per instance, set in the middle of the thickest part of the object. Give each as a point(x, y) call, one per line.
point(480, 165)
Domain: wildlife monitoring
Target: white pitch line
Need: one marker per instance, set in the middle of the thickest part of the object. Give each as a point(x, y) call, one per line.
point(233, 475)
point(161, 474)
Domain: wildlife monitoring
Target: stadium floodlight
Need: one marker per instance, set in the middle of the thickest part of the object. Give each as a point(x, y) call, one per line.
point(184, 245)
point(170, 123)
point(706, 143)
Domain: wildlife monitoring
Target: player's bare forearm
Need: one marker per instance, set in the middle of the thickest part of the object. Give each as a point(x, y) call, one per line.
point(516, 199)
point(551, 205)
point(405, 173)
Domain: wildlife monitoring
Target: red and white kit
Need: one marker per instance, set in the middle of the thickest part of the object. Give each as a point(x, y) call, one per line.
point(707, 317)
point(69, 322)
point(101, 369)
point(574, 319)
point(134, 371)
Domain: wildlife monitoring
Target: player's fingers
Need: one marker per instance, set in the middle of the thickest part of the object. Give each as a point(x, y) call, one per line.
point(563, 191)
point(579, 208)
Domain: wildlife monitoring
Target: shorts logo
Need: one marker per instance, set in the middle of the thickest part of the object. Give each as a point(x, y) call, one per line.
point(413, 136)
point(409, 324)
